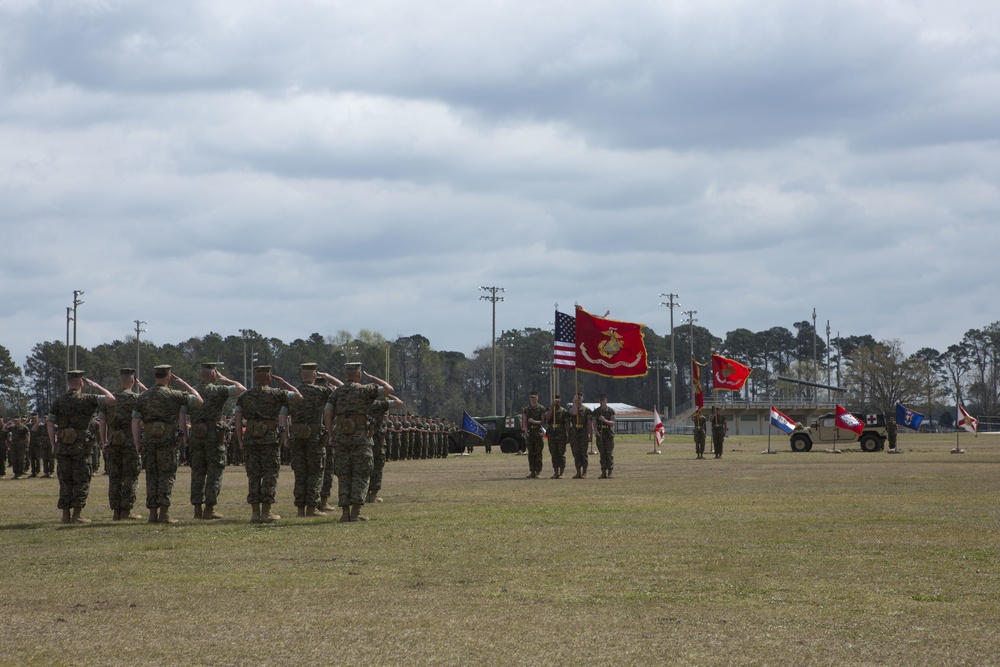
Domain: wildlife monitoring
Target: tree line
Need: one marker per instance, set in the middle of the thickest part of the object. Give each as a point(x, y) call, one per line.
point(875, 374)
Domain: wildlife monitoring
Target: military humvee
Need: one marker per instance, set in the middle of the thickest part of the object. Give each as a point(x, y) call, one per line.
point(824, 430)
point(504, 432)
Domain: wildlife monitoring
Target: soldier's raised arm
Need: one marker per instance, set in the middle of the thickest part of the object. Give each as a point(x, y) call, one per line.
point(198, 400)
point(289, 387)
point(109, 398)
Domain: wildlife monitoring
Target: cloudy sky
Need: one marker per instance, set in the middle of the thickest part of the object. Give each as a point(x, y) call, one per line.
point(315, 166)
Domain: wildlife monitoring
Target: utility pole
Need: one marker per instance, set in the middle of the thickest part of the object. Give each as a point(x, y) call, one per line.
point(138, 330)
point(691, 320)
point(76, 302)
point(492, 297)
point(671, 303)
point(69, 318)
point(829, 392)
point(815, 376)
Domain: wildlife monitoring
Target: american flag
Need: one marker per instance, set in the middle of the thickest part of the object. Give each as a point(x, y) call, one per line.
point(564, 350)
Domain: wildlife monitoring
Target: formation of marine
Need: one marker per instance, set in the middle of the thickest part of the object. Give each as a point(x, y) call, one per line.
point(322, 428)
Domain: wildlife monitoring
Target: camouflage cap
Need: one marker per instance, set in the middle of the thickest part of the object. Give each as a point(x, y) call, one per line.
point(352, 366)
point(309, 366)
point(162, 367)
point(75, 374)
point(533, 392)
point(209, 365)
point(126, 371)
point(265, 368)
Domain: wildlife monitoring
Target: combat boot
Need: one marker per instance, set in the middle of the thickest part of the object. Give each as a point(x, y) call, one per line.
point(578, 474)
point(255, 517)
point(129, 515)
point(345, 517)
point(609, 473)
point(356, 513)
point(604, 474)
point(198, 512)
point(583, 475)
point(76, 516)
point(65, 516)
point(300, 511)
point(165, 516)
point(555, 473)
point(266, 515)
point(210, 513)
point(312, 511)
point(153, 515)
point(325, 506)
point(117, 516)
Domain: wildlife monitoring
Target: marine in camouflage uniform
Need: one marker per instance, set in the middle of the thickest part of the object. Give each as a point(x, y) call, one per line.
point(326, 437)
point(207, 454)
point(349, 406)
point(891, 432)
point(121, 456)
point(533, 417)
point(556, 418)
point(155, 420)
point(263, 408)
point(306, 440)
point(96, 443)
point(604, 424)
point(700, 429)
point(379, 429)
point(579, 427)
point(719, 428)
point(67, 423)
point(20, 436)
point(41, 453)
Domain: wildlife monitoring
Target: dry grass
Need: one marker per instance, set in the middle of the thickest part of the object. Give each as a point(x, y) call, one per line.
point(790, 559)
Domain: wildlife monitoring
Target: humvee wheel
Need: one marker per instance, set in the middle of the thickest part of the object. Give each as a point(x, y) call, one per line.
point(870, 443)
point(801, 443)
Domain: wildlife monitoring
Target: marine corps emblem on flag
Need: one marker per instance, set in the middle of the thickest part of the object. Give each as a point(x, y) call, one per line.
point(609, 347)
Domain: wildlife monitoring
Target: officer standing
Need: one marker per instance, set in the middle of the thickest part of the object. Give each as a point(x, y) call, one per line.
point(604, 423)
point(580, 430)
point(349, 406)
point(719, 428)
point(20, 436)
point(206, 441)
point(263, 408)
point(121, 456)
point(41, 455)
point(700, 429)
point(67, 423)
point(306, 443)
point(533, 418)
point(378, 429)
point(556, 420)
point(155, 420)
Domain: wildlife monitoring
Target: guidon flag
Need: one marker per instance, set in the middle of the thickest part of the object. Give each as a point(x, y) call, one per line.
point(699, 393)
point(967, 421)
point(611, 348)
point(847, 421)
point(657, 429)
point(472, 427)
point(781, 421)
point(728, 375)
point(908, 418)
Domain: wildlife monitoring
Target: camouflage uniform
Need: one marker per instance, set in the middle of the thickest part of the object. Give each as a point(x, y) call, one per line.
point(377, 428)
point(260, 408)
point(718, 433)
point(158, 408)
point(308, 454)
point(41, 453)
point(122, 459)
point(206, 443)
point(19, 435)
point(71, 414)
point(579, 436)
point(557, 439)
point(94, 438)
point(353, 459)
point(605, 438)
point(891, 432)
point(700, 426)
point(534, 439)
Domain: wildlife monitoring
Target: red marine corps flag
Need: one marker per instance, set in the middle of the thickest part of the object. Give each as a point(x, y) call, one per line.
point(609, 347)
point(727, 374)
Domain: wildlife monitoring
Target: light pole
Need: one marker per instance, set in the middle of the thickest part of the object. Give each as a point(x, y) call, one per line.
point(492, 297)
point(691, 320)
point(138, 330)
point(815, 377)
point(671, 303)
point(76, 302)
point(69, 318)
point(829, 392)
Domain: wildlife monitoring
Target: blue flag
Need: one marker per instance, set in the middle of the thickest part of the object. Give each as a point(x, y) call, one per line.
point(472, 427)
point(908, 418)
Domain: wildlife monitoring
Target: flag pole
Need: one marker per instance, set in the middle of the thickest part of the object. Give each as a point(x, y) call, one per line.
point(958, 417)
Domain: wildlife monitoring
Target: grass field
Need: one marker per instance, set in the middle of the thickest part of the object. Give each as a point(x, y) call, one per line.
point(788, 559)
